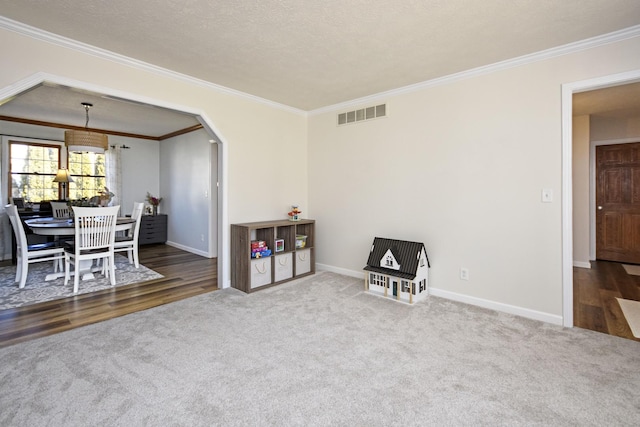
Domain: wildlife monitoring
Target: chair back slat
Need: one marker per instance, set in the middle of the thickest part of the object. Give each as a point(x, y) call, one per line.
point(60, 209)
point(94, 227)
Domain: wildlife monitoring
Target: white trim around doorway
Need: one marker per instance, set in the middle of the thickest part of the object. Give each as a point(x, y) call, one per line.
point(568, 89)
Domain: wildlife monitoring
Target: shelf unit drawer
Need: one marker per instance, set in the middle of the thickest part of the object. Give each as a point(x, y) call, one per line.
point(283, 269)
point(303, 261)
point(260, 272)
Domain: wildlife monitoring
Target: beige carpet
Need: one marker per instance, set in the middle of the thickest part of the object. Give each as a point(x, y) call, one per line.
point(631, 311)
point(632, 269)
point(320, 351)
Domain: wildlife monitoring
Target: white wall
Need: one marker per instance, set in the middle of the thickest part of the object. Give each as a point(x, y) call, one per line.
point(607, 128)
point(459, 166)
point(187, 164)
point(581, 185)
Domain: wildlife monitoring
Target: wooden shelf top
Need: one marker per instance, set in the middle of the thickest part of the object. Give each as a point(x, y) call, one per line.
point(275, 223)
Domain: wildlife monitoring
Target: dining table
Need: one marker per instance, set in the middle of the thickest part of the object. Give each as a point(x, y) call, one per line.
point(65, 227)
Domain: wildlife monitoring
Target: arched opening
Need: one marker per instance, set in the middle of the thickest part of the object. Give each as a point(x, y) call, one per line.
point(217, 213)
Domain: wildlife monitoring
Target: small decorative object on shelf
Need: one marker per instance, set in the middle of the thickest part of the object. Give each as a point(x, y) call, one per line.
point(259, 249)
point(294, 214)
point(102, 199)
point(154, 202)
point(105, 197)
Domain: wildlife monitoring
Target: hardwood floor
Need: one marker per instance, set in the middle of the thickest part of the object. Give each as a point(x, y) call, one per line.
point(594, 297)
point(185, 275)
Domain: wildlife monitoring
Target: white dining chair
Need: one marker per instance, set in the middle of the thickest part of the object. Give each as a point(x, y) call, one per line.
point(129, 242)
point(95, 231)
point(60, 210)
point(27, 254)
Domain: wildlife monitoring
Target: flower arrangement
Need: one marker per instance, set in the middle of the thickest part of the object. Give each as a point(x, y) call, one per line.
point(294, 213)
point(154, 202)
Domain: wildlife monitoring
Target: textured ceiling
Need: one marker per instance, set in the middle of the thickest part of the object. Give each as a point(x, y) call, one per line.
point(311, 54)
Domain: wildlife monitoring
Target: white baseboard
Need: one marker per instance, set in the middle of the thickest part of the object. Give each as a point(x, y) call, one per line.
point(582, 264)
point(467, 299)
point(343, 271)
point(188, 249)
point(498, 306)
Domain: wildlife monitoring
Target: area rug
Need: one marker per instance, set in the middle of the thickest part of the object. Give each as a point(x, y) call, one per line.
point(634, 270)
point(38, 290)
point(631, 311)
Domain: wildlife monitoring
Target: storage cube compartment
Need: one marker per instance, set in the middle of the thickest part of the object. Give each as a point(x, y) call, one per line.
point(283, 267)
point(301, 241)
point(260, 272)
point(303, 261)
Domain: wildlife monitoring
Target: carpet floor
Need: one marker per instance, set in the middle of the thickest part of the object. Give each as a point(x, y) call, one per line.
point(39, 290)
point(320, 351)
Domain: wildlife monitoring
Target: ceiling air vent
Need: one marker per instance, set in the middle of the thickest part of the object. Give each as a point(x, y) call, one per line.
point(362, 114)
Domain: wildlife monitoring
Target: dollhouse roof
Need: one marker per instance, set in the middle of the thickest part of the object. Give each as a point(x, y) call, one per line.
point(405, 253)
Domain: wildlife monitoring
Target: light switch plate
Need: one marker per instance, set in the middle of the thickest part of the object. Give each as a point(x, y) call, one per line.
point(547, 195)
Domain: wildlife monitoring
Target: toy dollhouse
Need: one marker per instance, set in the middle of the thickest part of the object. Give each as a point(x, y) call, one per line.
point(397, 269)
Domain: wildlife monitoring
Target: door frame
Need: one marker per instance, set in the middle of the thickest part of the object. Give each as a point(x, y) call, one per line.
point(568, 89)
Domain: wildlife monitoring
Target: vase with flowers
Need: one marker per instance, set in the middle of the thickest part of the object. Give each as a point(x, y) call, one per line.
point(154, 202)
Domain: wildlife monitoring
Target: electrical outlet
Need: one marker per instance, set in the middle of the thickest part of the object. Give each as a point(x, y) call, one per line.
point(464, 273)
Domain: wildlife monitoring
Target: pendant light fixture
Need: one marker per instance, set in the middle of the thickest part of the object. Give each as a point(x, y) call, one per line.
point(85, 140)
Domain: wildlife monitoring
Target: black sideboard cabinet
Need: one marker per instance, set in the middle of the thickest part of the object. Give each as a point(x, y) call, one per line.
point(153, 229)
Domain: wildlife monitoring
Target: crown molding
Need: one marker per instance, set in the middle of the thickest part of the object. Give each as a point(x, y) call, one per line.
point(39, 34)
point(566, 49)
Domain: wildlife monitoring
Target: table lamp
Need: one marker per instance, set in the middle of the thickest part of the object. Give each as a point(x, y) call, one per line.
point(63, 177)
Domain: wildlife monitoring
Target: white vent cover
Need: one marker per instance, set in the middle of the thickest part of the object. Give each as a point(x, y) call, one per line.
point(362, 114)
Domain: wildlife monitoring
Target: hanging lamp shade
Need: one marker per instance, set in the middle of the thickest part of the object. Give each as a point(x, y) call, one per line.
point(85, 140)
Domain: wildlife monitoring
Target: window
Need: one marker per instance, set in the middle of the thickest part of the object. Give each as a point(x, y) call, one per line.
point(32, 169)
point(378, 279)
point(88, 171)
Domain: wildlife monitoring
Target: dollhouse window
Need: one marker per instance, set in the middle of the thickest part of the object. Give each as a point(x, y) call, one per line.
point(378, 280)
point(389, 261)
point(421, 261)
point(405, 286)
point(423, 283)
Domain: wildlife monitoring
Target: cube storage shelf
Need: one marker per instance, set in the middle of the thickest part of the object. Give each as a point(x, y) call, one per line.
point(250, 274)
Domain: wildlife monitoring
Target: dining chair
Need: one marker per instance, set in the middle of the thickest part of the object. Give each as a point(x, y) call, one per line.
point(60, 209)
point(129, 242)
point(28, 254)
point(95, 231)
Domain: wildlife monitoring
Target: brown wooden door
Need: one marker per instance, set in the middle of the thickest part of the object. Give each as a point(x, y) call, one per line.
point(618, 202)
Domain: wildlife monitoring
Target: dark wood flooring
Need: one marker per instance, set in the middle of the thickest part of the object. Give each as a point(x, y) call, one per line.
point(185, 275)
point(594, 297)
